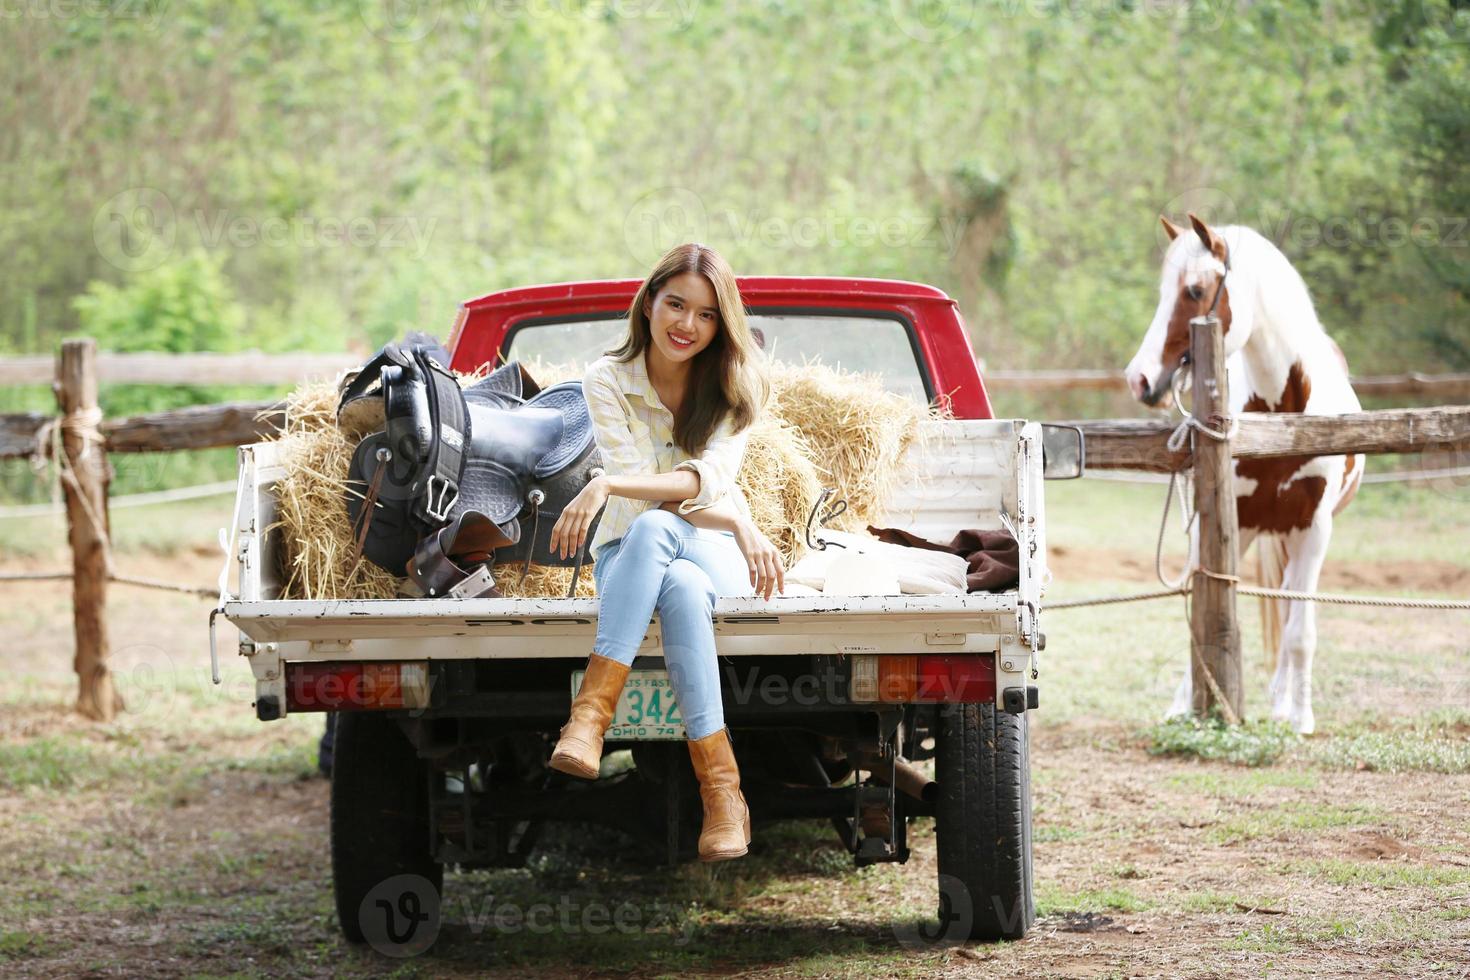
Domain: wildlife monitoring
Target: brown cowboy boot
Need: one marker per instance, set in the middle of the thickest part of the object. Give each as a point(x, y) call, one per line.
point(579, 749)
point(726, 832)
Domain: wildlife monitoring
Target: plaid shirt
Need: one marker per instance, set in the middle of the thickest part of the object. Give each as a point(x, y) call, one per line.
point(636, 435)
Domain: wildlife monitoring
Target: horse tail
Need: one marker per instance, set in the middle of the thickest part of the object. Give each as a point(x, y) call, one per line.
point(1271, 570)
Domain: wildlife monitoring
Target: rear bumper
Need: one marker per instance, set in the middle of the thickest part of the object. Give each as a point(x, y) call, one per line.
point(461, 642)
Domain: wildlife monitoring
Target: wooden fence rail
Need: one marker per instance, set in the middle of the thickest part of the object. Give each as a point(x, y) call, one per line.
point(255, 367)
point(1112, 444)
point(1442, 387)
point(1129, 444)
point(1142, 444)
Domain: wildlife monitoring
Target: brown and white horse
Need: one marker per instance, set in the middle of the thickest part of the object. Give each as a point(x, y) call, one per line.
point(1279, 359)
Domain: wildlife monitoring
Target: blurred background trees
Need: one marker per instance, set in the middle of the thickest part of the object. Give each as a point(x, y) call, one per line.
point(326, 174)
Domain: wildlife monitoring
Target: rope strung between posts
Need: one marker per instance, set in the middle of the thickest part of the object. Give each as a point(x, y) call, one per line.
point(1352, 600)
point(1336, 598)
point(1184, 587)
point(85, 424)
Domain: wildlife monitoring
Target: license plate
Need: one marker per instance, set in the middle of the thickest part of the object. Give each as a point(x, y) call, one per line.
point(646, 709)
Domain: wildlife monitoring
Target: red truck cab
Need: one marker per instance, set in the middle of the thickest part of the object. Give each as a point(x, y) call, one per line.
point(879, 319)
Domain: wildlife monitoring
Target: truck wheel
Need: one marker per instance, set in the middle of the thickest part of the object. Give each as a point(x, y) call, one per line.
point(983, 823)
point(380, 814)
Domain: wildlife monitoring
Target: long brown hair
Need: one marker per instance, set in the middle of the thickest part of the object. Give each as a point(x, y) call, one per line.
point(727, 378)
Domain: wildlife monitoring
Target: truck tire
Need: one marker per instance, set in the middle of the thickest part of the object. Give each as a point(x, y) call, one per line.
point(380, 814)
point(983, 823)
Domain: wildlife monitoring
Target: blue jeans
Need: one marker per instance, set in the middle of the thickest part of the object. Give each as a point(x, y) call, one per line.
point(668, 564)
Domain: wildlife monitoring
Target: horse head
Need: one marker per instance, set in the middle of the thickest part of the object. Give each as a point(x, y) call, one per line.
point(1196, 264)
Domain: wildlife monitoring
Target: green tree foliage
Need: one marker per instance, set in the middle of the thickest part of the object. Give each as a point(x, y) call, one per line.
point(352, 169)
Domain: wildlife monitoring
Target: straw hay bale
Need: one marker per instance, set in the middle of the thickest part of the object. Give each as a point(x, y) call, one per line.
point(780, 483)
point(316, 533)
point(857, 432)
point(821, 428)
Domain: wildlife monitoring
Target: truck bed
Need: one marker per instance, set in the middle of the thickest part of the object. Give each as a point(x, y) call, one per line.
point(966, 474)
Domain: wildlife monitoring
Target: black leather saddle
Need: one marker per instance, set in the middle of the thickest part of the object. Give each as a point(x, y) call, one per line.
point(522, 454)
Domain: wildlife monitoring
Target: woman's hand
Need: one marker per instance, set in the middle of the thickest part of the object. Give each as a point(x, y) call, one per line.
point(570, 532)
point(766, 572)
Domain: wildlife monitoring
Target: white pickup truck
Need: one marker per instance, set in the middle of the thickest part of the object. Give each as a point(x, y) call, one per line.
point(447, 708)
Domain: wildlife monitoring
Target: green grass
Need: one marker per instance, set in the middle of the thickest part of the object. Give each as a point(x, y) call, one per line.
point(1232, 783)
point(1045, 833)
point(1293, 818)
point(1055, 900)
point(1249, 744)
point(1397, 928)
point(54, 763)
point(1385, 874)
point(1395, 750)
point(1216, 902)
point(1110, 668)
point(18, 945)
point(164, 529)
point(1268, 938)
point(1122, 662)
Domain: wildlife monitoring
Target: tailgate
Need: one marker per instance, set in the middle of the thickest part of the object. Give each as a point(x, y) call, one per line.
point(376, 629)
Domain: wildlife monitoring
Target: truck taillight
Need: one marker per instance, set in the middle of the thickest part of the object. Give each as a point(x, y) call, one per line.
point(356, 686)
point(914, 678)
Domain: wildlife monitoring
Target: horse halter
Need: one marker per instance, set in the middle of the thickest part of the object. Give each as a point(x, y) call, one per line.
point(1214, 300)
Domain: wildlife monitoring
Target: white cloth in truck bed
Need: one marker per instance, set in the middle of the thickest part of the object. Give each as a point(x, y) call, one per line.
point(859, 564)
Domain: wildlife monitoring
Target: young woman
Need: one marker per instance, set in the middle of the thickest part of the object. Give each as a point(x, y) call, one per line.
point(672, 408)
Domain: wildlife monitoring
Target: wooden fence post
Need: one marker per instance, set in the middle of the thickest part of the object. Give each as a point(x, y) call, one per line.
point(85, 479)
point(1214, 632)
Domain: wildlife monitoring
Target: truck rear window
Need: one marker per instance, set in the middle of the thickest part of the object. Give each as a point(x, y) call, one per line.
point(871, 344)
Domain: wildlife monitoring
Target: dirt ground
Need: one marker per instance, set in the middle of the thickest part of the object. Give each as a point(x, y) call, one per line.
point(187, 839)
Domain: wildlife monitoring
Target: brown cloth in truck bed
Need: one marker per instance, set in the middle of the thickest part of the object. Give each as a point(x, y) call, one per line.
point(995, 560)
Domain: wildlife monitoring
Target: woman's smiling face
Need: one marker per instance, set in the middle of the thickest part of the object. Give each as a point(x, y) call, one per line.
point(684, 317)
